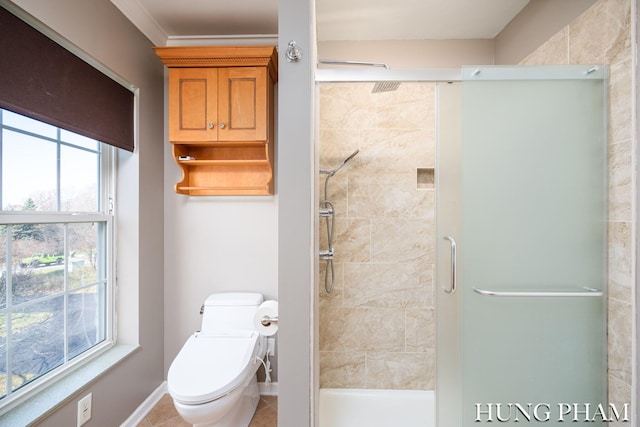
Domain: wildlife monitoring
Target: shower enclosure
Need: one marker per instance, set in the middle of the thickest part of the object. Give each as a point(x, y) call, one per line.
point(522, 248)
point(506, 249)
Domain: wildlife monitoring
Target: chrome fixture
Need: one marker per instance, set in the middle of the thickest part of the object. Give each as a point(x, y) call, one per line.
point(452, 288)
point(340, 62)
point(327, 212)
point(378, 87)
point(293, 53)
point(587, 292)
point(592, 69)
point(333, 172)
point(386, 86)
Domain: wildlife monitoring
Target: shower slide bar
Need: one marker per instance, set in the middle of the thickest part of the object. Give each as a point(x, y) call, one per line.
point(588, 292)
point(327, 212)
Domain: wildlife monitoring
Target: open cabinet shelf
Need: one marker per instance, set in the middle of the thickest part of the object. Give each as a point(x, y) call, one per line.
point(224, 162)
point(225, 169)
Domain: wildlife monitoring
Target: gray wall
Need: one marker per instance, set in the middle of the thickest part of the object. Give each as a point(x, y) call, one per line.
point(296, 247)
point(99, 29)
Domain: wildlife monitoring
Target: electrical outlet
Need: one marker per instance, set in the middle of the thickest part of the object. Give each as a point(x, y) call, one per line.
point(271, 346)
point(84, 409)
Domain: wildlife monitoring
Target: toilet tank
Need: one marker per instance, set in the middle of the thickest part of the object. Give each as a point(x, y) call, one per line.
point(230, 310)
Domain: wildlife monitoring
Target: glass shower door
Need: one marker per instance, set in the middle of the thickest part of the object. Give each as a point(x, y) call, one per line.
point(530, 250)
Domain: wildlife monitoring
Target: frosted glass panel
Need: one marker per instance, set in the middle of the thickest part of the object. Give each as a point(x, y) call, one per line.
point(532, 221)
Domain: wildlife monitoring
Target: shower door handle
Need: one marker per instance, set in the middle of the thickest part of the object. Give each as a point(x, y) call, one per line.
point(452, 287)
point(585, 292)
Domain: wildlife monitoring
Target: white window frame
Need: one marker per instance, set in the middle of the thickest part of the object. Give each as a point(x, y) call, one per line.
point(107, 187)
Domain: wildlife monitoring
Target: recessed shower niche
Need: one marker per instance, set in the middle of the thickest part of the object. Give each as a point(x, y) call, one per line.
point(425, 178)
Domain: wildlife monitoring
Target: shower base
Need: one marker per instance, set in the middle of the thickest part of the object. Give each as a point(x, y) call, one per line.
point(377, 408)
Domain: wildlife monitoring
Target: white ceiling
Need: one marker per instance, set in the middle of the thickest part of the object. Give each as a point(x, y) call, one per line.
point(164, 20)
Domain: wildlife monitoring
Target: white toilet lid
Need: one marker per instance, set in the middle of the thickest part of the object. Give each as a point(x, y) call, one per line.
point(208, 367)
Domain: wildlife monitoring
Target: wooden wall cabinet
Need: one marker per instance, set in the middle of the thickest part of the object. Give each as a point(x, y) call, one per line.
point(221, 118)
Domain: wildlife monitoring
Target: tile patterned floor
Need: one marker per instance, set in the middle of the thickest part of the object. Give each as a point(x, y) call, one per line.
point(164, 414)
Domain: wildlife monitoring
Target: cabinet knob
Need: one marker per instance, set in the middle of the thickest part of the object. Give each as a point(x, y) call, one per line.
point(211, 125)
point(222, 125)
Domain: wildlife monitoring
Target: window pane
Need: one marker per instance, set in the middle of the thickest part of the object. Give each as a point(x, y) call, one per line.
point(84, 328)
point(79, 140)
point(28, 124)
point(38, 249)
point(29, 180)
point(78, 180)
point(37, 340)
point(82, 266)
point(53, 277)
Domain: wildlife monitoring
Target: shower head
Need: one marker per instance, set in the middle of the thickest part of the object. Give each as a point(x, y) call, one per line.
point(385, 86)
point(340, 166)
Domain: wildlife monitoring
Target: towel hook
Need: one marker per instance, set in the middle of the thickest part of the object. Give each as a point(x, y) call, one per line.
point(293, 53)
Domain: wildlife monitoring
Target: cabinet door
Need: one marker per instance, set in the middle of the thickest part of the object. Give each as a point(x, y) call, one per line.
point(193, 106)
point(242, 104)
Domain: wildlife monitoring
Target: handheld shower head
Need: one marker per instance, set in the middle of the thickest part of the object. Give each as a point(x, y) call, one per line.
point(351, 156)
point(340, 166)
point(330, 173)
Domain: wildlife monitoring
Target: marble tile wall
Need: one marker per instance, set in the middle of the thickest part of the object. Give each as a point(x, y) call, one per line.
point(377, 328)
point(603, 35)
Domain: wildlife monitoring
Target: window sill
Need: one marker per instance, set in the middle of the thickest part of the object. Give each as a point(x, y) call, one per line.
point(56, 394)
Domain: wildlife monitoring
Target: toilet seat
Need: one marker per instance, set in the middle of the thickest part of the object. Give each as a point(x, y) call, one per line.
point(210, 366)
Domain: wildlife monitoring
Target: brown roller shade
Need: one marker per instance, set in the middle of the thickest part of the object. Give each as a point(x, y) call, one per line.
point(43, 80)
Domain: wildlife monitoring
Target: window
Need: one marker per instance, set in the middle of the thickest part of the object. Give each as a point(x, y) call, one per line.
point(55, 251)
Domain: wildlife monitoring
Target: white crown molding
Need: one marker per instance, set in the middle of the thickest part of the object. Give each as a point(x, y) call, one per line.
point(141, 18)
point(224, 40)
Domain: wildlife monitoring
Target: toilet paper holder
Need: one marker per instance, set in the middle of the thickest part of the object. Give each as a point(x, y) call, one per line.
point(267, 321)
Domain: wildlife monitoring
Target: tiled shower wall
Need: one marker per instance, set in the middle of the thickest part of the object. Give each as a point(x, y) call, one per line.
point(377, 327)
point(602, 35)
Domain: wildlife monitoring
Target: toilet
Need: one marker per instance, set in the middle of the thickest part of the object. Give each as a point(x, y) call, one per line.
point(212, 380)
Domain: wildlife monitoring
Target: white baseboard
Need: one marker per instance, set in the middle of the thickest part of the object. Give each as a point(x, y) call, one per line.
point(138, 415)
point(146, 406)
